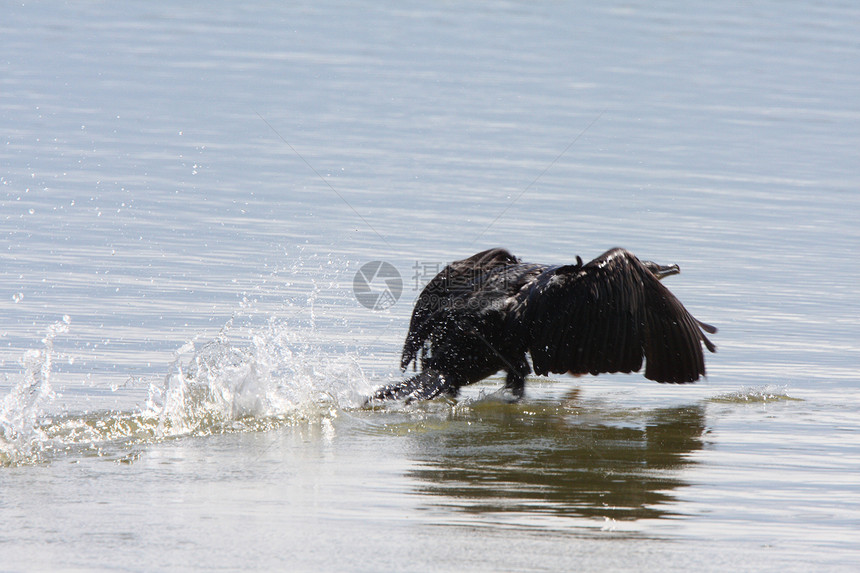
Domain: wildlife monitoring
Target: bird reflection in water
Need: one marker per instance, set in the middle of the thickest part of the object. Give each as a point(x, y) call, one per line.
point(560, 459)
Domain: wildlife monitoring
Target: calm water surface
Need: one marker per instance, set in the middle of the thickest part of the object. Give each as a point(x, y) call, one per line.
point(187, 193)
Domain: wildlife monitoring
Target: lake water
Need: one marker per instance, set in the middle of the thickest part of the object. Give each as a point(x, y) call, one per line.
point(187, 193)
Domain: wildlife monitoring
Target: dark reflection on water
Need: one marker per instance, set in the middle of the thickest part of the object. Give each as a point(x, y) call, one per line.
point(560, 459)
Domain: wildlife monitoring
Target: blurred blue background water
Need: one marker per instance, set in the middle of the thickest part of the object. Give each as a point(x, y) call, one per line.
point(176, 174)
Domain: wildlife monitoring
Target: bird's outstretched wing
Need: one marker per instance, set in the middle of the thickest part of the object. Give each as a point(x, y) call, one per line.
point(606, 316)
point(455, 282)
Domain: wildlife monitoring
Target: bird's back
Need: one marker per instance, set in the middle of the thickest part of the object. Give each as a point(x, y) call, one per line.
point(462, 290)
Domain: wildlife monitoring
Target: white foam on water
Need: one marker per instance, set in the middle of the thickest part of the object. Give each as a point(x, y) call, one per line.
point(756, 395)
point(20, 433)
point(253, 380)
point(279, 377)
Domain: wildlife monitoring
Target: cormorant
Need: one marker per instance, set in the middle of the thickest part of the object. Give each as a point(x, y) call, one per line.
point(483, 314)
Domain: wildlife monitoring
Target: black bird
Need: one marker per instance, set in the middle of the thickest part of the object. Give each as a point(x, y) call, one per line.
point(485, 313)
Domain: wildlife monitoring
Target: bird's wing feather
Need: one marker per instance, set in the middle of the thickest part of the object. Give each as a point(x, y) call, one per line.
point(606, 316)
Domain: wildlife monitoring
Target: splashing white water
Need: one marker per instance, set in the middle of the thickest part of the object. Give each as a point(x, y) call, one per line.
point(20, 431)
point(757, 395)
point(220, 386)
point(271, 377)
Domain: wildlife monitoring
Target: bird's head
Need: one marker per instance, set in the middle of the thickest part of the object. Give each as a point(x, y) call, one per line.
point(661, 271)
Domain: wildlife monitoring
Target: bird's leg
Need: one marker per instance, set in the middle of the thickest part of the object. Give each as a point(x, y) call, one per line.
point(516, 383)
point(425, 385)
point(516, 380)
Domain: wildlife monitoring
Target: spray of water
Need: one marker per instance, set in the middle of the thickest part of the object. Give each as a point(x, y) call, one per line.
point(277, 378)
point(254, 380)
point(20, 433)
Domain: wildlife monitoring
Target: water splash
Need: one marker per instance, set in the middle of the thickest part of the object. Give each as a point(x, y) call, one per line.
point(260, 379)
point(279, 378)
point(769, 393)
point(20, 430)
